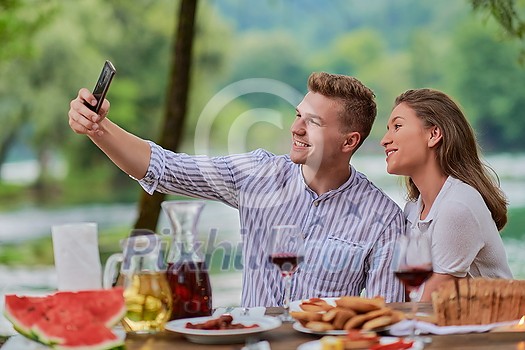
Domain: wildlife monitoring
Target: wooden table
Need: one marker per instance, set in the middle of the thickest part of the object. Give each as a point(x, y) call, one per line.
point(286, 338)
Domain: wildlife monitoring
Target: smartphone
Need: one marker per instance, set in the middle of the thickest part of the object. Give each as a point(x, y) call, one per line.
point(102, 87)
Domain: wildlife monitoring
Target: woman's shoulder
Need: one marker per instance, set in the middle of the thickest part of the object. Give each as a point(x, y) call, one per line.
point(461, 192)
point(462, 200)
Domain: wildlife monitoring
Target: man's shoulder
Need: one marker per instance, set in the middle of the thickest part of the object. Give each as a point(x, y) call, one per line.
point(264, 162)
point(265, 154)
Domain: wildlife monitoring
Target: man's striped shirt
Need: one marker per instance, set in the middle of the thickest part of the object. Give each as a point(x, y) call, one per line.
point(349, 232)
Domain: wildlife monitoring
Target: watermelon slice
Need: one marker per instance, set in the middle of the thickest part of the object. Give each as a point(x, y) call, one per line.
point(69, 320)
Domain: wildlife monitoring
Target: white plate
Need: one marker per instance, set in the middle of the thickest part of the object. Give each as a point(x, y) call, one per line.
point(316, 344)
point(227, 336)
point(295, 305)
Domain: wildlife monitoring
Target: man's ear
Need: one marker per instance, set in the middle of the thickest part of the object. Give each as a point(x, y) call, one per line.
point(351, 141)
point(435, 136)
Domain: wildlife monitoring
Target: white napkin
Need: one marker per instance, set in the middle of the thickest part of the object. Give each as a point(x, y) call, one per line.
point(18, 342)
point(77, 260)
point(257, 311)
point(6, 327)
point(404, 327)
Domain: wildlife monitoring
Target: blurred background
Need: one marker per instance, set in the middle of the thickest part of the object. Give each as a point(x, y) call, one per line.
point(249, 66)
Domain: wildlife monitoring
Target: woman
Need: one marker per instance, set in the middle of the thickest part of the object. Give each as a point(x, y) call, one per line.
point(451, 196)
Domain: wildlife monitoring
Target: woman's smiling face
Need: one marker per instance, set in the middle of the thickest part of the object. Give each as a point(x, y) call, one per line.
point(405, 142)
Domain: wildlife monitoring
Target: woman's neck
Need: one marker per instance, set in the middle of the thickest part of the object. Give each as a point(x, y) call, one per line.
point(429, 184)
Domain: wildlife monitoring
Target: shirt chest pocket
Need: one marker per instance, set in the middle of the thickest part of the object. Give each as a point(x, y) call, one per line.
point(339, 255)
point(336, 261)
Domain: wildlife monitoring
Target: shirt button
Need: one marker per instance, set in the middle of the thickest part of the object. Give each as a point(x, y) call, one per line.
point(316, 203)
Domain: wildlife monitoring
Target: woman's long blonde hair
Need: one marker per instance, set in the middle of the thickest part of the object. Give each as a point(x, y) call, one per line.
point(458, 153)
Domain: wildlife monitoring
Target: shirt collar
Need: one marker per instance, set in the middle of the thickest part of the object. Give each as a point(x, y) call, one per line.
point(344, 186)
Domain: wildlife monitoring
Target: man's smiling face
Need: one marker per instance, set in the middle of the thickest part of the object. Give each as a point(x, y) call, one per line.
point(316, 131)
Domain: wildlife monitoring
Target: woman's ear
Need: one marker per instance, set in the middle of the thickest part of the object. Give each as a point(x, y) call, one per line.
point(435, 136)
point(351, 141)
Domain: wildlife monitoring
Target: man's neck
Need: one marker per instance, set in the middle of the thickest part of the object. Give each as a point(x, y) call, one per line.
point(322, 180)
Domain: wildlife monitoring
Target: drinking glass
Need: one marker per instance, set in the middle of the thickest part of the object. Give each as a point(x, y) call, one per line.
point(286, 251)
point(412, 265)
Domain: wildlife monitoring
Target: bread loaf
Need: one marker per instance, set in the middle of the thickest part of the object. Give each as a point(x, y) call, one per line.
point(478, 301)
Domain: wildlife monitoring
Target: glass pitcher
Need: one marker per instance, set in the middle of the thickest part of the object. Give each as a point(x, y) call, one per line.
point(187, 272)
point(111, 276)
point(146, 291)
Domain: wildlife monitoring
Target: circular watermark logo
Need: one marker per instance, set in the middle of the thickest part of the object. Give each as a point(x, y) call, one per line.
point(238, 129)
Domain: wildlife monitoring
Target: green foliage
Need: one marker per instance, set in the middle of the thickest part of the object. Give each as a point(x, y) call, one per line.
point(389, 45)
point(505, 13)
point(487, 81)
point(39, 251)
point(509, 15)
point(19, 20)
point(515, 228)
point(15, 196)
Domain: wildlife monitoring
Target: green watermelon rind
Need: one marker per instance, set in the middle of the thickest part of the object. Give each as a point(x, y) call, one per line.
point(35, 335)
point(26, 332)
point(39, 337)
point(118, 317)
point(59, 344)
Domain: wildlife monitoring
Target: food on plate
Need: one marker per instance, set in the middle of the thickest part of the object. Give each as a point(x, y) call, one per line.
point(359, 320)
point(478, 301)
point(378, 322)
point(69, 320)
point(342, 317)
point(315, 305)
point(222, 322)
point(336, 312)
point(401, 344)
point(320, 326)
point(349, 313)
point(361, 305)
point(306, 316)
point(353, 340)
point(332, 343)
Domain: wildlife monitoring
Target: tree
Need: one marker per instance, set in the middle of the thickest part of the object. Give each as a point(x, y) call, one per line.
point(488, 82)
point(505, 13)
point(19, 22)
point(176, 104)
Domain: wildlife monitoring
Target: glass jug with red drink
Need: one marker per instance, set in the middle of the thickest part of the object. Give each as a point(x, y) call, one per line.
point(187, 272)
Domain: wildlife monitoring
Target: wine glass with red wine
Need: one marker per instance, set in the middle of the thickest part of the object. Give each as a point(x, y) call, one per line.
point(412, 265)
point(286, 251)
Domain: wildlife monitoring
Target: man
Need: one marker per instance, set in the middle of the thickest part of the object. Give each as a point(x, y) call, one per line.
point(350, 226)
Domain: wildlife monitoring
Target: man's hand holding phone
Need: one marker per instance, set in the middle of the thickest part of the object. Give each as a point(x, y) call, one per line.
point(84, 121)
point(102, 86)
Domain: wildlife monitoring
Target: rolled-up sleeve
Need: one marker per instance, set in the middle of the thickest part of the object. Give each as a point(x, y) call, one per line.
point(155, 169)
point(215, 178)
